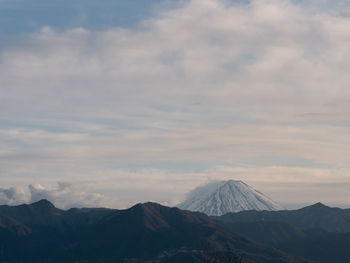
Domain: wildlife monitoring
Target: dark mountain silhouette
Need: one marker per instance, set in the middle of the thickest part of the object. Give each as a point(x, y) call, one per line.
point(316, 244)
point(320, 246)
point(315, 216)
point(315, 232)
point(146, 229)
point(144, 233)
point(41, 229)
point(13, 227)
point(43, 214)
point(272, 233)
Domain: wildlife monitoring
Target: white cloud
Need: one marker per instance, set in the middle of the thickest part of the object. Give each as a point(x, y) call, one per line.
point(65, 195)
point(13, 196)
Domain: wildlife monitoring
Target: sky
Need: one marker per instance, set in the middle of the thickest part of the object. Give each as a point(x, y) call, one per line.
point(111, 103)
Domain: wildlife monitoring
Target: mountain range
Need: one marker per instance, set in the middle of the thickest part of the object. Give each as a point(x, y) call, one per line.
point(149, 232)
point(316, 232)
point(257, 231)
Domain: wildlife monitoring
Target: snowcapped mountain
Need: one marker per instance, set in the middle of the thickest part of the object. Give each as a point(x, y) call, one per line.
point(219, 198)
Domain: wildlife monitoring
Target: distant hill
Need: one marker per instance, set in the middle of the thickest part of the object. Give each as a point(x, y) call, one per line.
point(219, 198)
point(144, 233)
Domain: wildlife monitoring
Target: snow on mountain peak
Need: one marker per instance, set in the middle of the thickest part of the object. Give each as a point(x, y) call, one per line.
point(221, 197)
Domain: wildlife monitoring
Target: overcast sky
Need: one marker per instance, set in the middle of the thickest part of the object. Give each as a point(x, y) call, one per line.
point(116, 102)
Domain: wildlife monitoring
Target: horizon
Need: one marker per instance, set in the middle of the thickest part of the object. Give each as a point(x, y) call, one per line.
point(121, 102)
point(150, 202)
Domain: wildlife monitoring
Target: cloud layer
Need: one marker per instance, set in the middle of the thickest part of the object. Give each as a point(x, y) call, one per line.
point(65, 195)
point(250, 86)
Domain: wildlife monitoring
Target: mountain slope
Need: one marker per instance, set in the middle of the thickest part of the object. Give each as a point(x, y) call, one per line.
point(316, 232)
point(43, 214)
point(316, 216)
point(10, 225)
point(144, 233)
point(271, 233)
point(154, 233)
point(316, 244)
point(219, 198)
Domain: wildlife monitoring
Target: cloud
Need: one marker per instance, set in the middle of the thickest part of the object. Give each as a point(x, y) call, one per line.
point(291, 186)
point(65, 195)
point(208, 84)
point(13, 196)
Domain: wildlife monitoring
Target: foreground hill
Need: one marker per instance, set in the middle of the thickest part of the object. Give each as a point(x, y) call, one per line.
point(310, 217)
point(144, 233)
point(316, 232)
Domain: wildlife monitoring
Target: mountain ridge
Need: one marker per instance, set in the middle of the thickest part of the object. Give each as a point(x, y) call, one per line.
point(145, 232)
point(314, 216)
point(317, 232)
